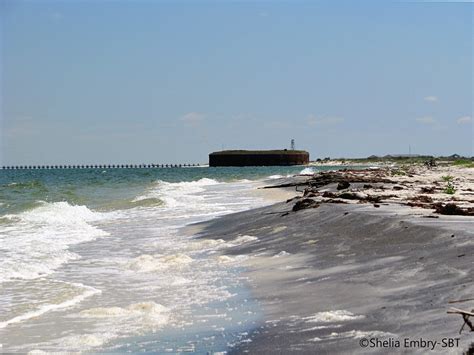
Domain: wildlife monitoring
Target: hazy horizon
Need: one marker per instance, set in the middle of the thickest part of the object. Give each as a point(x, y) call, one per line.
point(169, 82)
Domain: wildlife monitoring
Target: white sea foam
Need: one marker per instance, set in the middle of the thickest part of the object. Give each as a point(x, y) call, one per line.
point(244, 180)
point(307, 171)
point(158, 312)
point(275, 177)
point(37, 243)
point(225, 259)
point(168, 267)
point(148, 263)
point(332, 316)
point(177, 189)
point(280, 254)
point(85, 341)
point(176, 259)
point(203, 244)
point(59, 214)
point(279, 229)
point(113, 322)
point(243, 239)
point(145, 263)
point(178, 281)
point(202, 199)
point(89, 291)
point(357, 334)
point(319, 327)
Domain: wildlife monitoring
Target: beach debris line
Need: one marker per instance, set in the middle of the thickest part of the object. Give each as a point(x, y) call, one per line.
point(343, 185)
point(417, 186)
point(453, 209)
point(340, 176)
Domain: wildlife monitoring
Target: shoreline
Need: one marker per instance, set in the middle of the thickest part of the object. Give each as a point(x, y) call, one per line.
point(330, 274)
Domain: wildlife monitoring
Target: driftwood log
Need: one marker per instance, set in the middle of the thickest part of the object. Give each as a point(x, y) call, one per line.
point(465, 316)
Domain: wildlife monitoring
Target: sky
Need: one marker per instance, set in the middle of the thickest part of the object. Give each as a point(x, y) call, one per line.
point(105, 82)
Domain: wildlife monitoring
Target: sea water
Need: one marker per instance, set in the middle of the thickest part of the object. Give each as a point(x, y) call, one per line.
point(94, 259)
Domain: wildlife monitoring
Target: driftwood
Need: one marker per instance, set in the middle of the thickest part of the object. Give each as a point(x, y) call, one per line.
point(464, 300)
point(342, 176)
point(465, 316)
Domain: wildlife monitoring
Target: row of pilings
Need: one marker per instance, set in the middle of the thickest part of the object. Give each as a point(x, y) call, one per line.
point(113, 166)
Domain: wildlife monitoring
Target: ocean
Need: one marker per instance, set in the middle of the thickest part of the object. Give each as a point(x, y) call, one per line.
point(96, 260)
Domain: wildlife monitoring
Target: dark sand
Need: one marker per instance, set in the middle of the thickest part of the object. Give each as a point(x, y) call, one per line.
point(390, 267)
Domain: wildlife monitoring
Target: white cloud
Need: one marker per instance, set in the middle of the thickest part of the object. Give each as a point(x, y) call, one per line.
point(312, 120)
point(426, 120)
point(464, 120)
point(431, 98)
point(192, 118)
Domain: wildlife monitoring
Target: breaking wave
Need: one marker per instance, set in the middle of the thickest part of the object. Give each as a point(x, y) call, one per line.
point(37, 242)
point(307, 171)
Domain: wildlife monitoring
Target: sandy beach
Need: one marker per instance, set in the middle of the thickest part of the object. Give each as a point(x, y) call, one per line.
point(358, 258)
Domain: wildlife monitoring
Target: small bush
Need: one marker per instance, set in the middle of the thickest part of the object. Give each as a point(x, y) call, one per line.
point(398, 172)
point(450, 190)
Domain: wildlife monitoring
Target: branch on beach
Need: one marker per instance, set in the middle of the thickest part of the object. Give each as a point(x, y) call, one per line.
point(465, 315)
point(463, 300)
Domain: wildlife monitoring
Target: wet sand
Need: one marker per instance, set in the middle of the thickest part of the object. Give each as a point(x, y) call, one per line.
point(330, 276)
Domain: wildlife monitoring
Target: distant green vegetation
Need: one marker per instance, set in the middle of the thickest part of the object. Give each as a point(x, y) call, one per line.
point(464, 163)
point(399, 160)
point(413, 160)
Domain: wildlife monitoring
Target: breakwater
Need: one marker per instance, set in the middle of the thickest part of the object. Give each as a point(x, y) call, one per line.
point(106, 166)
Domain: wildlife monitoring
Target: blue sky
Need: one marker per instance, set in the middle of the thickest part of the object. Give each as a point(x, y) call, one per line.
point(169, 82)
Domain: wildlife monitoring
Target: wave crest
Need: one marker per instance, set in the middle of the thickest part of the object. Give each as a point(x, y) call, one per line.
point(307, 171)
point(38, 241)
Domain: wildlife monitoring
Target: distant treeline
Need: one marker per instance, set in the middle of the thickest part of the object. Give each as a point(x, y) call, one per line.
point(406, 157)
